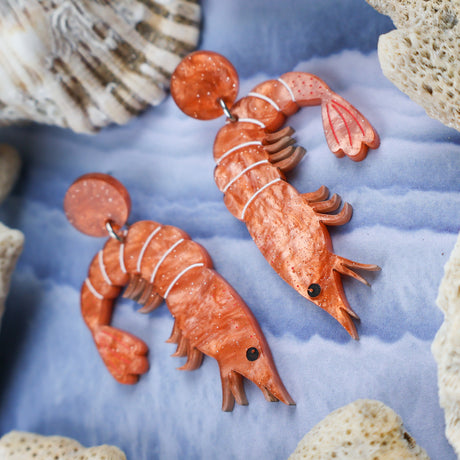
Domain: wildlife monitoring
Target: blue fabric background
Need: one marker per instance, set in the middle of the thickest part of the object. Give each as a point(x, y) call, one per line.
point(406, 204)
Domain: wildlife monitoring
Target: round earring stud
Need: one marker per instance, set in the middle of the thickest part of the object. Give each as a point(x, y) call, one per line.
point(94, 200)
point(200, 81)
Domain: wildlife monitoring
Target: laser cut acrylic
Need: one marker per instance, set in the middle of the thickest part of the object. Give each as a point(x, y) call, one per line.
point(160, 262)
point(253, 151)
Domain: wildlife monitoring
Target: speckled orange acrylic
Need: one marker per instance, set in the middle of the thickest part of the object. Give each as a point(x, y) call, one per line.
point(95, 199)
point(160, 262)
point(200, 80)
point(252, 154)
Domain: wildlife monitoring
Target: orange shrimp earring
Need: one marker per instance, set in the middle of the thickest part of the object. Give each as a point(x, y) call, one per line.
point(160, 262)
point(252, 152)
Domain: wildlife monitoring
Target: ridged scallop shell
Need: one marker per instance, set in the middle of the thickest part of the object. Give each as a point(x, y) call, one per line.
point(84, 64)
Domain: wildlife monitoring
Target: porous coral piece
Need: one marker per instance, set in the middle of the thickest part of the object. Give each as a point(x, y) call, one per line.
point(446, 347)
point(18, 445)
point(11, 241)
point(363, 430)
point(421, 57)
point(10, 164)
point(11, 244)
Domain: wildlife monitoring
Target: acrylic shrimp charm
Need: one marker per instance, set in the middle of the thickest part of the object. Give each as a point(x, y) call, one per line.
point(160, 262)
point(252, 152)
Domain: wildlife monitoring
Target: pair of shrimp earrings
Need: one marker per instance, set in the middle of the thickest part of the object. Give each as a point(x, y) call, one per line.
point(160, 262)
point(253, 151)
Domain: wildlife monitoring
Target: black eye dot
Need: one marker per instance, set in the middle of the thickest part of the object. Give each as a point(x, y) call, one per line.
point(252, 354)
point(314, 290)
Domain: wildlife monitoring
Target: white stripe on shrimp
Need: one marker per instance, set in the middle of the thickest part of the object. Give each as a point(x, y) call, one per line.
point(147, 242)
point(243, 172)
point(288, 88)
point(121, 258)
point(93, 290)
point(102, 268)
point(163, 257)
point(237, 147)
point(176, 279)
point(266, 99)
point(255, 194)
point(251, 120)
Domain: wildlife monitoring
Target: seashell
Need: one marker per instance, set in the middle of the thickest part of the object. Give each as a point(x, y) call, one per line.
point(421, 56)
point(364, 429)
point(20, 445)
point(446, 347)
point(83, 64)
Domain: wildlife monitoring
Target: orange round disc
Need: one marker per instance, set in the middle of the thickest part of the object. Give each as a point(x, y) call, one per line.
point(93, 200)
point(200, 80)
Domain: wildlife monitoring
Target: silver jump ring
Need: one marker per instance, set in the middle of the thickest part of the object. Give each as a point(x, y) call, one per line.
point(112, 233)
point(226, 110)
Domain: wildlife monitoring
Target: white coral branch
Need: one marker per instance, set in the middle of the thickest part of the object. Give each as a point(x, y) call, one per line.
point(421, 57)
point(18, 445)
point(446, 347)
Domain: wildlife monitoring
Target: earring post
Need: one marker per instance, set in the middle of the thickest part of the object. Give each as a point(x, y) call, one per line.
point(226, 110)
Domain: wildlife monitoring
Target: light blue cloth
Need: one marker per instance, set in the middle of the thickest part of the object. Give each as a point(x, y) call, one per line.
point(406, 204)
